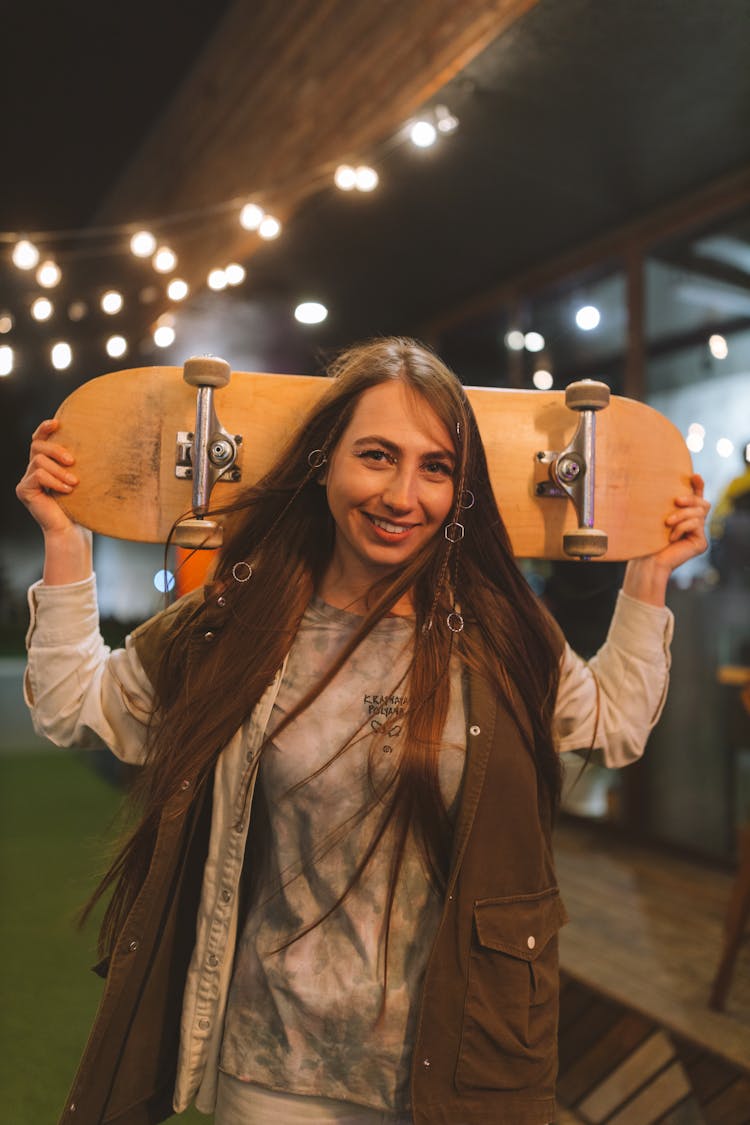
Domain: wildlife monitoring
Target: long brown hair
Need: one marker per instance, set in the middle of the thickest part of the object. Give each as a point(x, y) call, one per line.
point(282, 527)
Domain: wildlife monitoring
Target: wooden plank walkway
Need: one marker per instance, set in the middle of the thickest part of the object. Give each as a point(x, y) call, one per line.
point(638, 1043)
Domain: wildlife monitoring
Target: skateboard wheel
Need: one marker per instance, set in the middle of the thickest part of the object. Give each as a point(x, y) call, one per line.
point(585, 543)
point(206, 371)
point(587, 394)
point(198, 534)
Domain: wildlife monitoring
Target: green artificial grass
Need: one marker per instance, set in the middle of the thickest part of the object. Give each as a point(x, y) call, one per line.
point(56, 817)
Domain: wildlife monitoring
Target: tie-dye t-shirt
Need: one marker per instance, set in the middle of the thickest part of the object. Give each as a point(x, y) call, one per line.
point(309, 1018)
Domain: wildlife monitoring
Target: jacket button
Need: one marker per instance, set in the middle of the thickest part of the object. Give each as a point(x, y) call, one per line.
point(426, 1064)
point(133, 946)
point(185, 784)
point(209, 636)
point(221, 602)
point(475, 729)
point(531, 941)
point(72, 1107)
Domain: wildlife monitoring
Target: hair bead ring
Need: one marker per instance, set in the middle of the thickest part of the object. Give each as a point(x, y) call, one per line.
point(316, 458)
point(454, 532)
point(466, 499)
point(237, 570)
point(455, 621)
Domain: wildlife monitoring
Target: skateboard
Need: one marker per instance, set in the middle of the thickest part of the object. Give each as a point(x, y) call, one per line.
point(576, 473)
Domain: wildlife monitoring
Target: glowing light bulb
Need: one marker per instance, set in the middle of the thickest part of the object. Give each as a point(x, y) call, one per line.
point(42, 309)
point(366, 178)
point(694, 442)
point(111, 302)
point(269, 228)
point(164, 260)
point(116, 346)
point(697, 428)
point(345, 178)
point(217, 279)
point(542, 379)
point(515, 340)
point(588, 318)
point(48, 275)
point(533, 341)
point(6, 360)
point(423, 134)
point(61, 355)
point(25, 255)
point(725, 447)
point(164, 335)
point(6, 322)
point(142, 244)
point(235, 273)
point(718, 346)
point(447, 122)
point(251, 216)
point(177, 290)
point(310, 312)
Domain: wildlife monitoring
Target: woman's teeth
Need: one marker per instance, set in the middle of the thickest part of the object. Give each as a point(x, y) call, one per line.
point(393, 528)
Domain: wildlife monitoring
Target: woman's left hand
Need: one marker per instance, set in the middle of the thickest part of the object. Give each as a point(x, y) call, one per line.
point(646, 579)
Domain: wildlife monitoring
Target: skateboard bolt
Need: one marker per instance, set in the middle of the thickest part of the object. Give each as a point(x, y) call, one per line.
point(236, 474)
point(221, 451)
point(568, 469)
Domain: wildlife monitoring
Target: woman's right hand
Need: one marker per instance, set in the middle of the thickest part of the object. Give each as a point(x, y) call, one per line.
point(48, 471)
point(67, 544)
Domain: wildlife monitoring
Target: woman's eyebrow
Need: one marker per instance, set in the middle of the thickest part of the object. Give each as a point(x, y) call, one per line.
point(392, 447)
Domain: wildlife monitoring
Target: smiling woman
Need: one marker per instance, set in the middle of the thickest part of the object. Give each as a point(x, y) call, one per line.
point(339, 902)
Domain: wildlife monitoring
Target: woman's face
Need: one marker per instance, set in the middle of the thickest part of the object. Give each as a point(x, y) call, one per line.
point(389, 482)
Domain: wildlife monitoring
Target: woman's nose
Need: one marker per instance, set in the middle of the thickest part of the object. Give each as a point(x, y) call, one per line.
point(400, 493)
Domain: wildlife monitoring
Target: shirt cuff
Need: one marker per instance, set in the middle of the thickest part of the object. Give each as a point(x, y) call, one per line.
point(62, 615)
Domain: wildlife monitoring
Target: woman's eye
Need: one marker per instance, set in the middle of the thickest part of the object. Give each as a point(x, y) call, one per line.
point(439, 468)
point(377, 455)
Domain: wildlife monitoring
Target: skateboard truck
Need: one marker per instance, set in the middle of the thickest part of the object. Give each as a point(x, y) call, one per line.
point(571, 472)
point(206, 454)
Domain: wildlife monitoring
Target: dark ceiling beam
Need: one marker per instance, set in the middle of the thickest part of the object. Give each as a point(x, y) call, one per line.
point(282, 94)
point(699, 264)
point(694, 211)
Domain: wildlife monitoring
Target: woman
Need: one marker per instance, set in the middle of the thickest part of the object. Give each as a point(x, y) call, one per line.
point(339, 903)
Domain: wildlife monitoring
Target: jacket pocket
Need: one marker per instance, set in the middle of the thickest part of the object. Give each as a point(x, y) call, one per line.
point(509, 1033)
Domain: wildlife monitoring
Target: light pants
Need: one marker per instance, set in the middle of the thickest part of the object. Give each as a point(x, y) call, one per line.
point(244, 1103)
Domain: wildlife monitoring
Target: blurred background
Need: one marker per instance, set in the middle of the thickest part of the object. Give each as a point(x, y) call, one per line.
point(541, 191)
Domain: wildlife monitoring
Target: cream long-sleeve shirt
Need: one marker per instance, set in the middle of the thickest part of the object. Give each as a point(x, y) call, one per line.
point(80, 692)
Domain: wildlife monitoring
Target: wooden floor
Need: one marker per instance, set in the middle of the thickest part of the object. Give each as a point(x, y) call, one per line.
point(638, 1043)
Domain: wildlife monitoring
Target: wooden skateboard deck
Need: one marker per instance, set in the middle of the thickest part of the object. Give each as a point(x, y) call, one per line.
point(122, 429)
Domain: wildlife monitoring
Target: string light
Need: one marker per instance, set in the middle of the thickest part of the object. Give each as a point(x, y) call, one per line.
point(77, 310)
point(423, 134)
point(588, 318)
point(6, 360)
point(42, 309)
point(366, 178)
point(61, 355)
point(251, 216)
point(25, 255)
point(116, 346)
point(164, 260)
point(446, 121)
point(725, 447)
point(142, 244)
point(217, 280)
point(269, 228)
point(48, 275)
point(6, 322)
point(164, 335)
point(718, 347)
point(345, 177)
point(177, 290)
point(310, 312)
point(542, 379)
point(111, 302)
point(235, 273)
point(515, 340)
point(533, 341)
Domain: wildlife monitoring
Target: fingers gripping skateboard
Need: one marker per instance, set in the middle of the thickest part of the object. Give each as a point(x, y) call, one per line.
point(572, 471)
point(205, 454)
